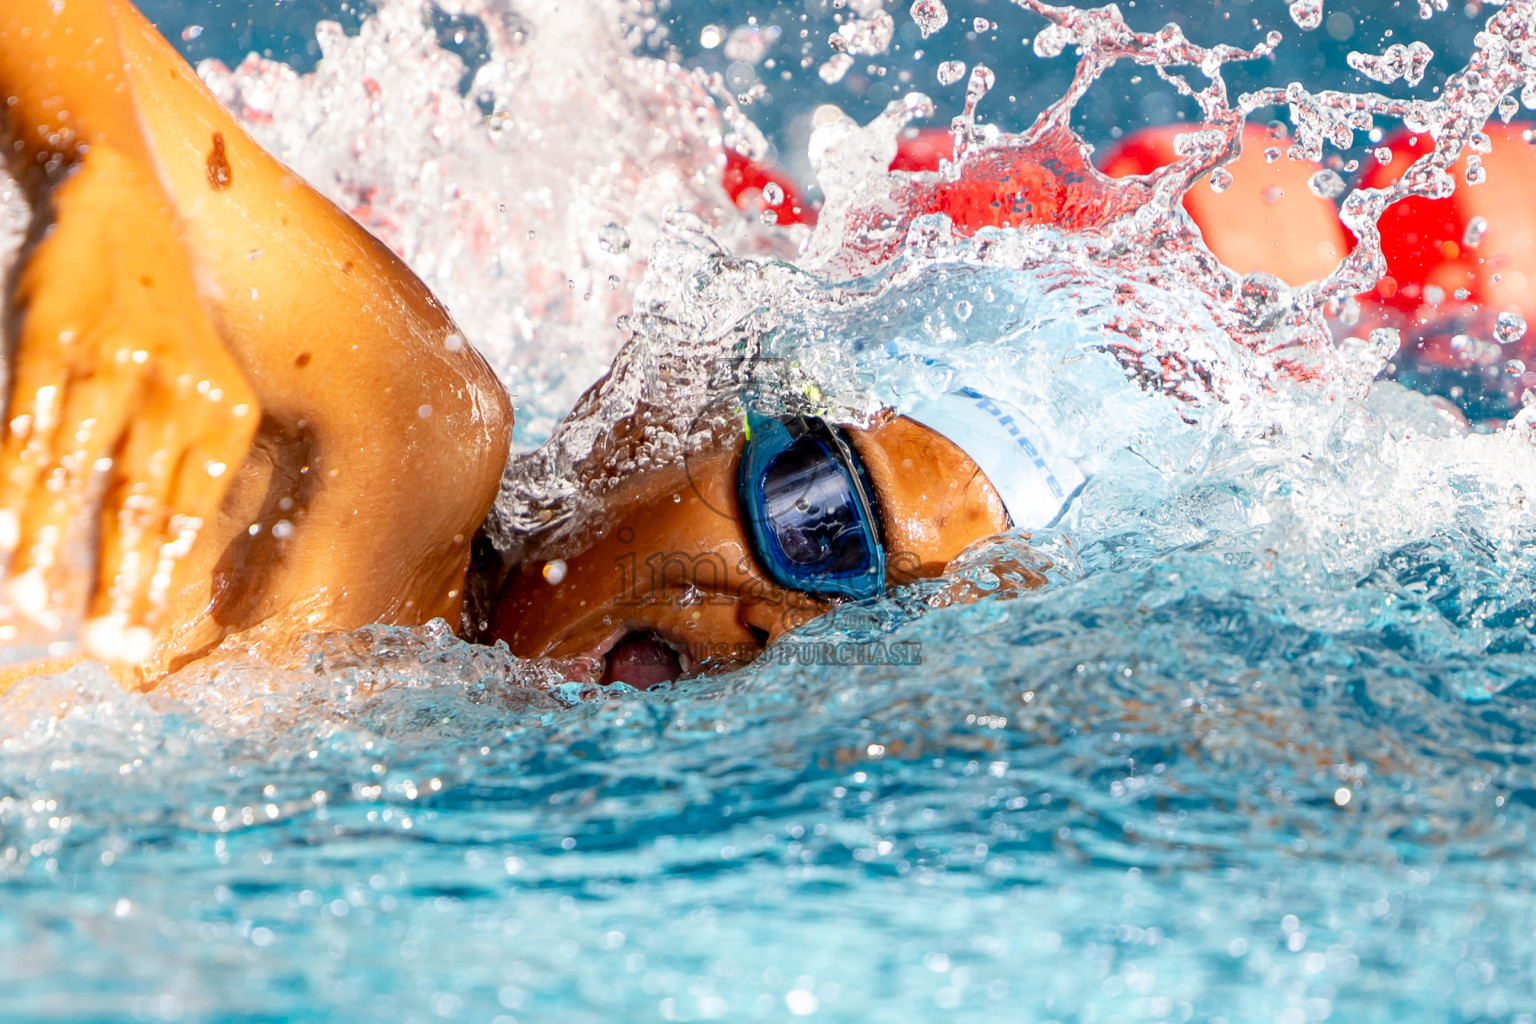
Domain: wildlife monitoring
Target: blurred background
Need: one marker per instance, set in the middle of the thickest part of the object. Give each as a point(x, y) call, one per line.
point(774, 59)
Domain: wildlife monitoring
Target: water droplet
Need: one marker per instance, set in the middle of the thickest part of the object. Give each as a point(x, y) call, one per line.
point(1383, 154)
point(1477, 227)
point(773, 193)
point(918, 104)
point(1528, 97)
point(1326, 184)
point(554, 572)
point(613, 238)
point(711, 36)
point(963, 310)
point(930, 16)
point(191, 32)
point(1479, 142)
point(1508, 328)
point(1508, 108)
point(1260, 298)
point(801, 1002)
point(980, 84)
point(1514, 367)
point(867, 37)
point(1475, 175)
point(1307, 14)
point(747, 43)
point(1051, 40)
point(835, 68)
point(1397, 61)
point(1272, 154)
point(1386, 340)
point(951, 71)
point(981, 24)
point(1221, 179)
point(1419, 56)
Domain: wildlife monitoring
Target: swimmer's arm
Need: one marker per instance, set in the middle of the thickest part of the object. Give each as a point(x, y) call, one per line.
point(62, 78)
point(384, 434)
point(117, 372)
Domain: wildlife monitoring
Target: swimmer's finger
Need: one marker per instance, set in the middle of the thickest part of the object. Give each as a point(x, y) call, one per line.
point(134, 519)
point(32, 420)
point(47, 515)
point(208, 464)
point(169, 480)
point(55, 301)
point(33, 417)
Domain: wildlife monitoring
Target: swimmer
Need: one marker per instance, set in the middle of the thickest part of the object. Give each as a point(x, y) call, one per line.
point(269, 426)
point(275, 428)
point(259, 413)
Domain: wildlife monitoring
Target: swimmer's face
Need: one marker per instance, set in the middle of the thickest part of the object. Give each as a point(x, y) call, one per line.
point(670, 586)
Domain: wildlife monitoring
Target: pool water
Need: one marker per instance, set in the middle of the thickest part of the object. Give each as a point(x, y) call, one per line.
point(1247, 736)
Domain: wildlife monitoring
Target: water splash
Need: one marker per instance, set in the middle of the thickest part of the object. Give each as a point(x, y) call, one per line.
point(706, 309)
point(1250, 722)
point(1398, 61)
point(521, 248)
point(1032, 203)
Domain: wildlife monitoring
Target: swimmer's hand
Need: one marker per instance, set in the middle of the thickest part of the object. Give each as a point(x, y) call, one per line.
point(118, 380)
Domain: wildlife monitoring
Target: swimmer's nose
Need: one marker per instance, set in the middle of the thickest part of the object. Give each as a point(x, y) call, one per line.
point(778, 613)
point(765, 622)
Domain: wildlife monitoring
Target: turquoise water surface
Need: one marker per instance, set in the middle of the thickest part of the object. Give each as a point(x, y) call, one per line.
point(1261, 748)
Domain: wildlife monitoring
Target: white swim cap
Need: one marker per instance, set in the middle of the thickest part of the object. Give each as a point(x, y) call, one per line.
point(1034, 481)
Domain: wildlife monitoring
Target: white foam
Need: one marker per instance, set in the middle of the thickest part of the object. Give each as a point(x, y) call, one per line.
point(508, 216)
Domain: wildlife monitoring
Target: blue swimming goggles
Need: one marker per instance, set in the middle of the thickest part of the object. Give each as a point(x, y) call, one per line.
point(808, 507)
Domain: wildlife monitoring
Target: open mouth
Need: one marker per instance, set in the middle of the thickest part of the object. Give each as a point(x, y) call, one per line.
point(642, 659)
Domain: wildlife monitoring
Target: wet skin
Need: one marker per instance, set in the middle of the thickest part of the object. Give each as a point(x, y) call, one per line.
point(270, 471)
point(271, 422)
point(672, 561)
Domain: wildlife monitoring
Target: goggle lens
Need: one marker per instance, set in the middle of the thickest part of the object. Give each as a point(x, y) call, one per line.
point(812, 511)
point(808, 509)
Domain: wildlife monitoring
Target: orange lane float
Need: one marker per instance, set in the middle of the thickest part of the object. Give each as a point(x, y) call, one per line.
point(1455, 264)
point(747, 183)
point(1267, 220)
point(1451, 263)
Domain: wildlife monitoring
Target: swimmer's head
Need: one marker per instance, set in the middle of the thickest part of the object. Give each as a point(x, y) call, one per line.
point(697, 568)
